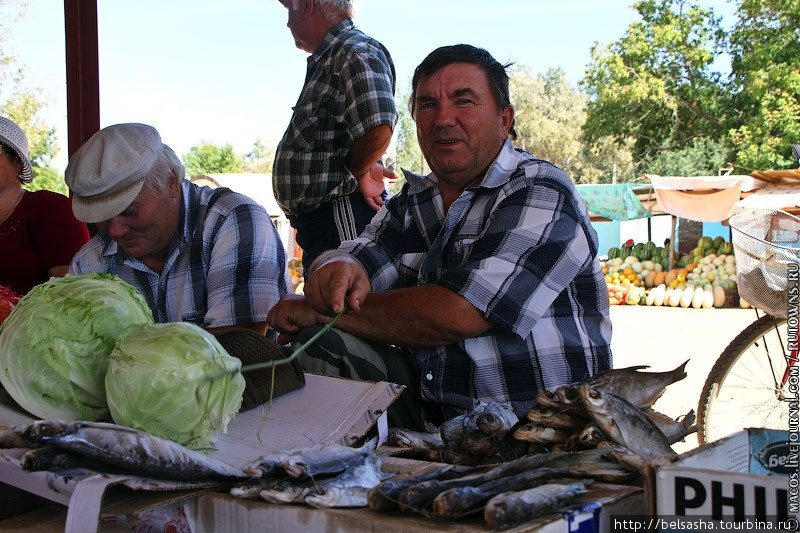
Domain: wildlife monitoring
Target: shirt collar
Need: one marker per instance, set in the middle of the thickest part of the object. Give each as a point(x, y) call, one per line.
point(331, 37)
point(498, 173)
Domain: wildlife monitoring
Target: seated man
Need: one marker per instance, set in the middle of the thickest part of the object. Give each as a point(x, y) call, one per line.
point(207, 256)
point(478, 282)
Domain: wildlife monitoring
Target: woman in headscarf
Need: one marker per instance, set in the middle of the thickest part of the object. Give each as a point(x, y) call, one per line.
point(38, 232)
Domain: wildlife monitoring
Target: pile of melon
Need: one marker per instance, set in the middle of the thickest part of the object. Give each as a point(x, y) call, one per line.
point(698, 279)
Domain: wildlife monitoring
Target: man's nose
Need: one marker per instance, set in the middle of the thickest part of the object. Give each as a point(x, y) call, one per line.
point(445, 115)
point(115, 229)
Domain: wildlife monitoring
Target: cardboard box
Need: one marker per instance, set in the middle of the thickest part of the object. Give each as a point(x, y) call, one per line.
point(747, 475)
point(326, 410)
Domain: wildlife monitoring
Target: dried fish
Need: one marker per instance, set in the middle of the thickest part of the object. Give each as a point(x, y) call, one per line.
point(513, 508)
point(590, 436)
point(418, 496)
point(325, 460)
point(639, 388)
point(384, 496)
point(533, 432)
point(416, 440)
point(548, 398)
point(350, 488)
point(267, 464)
point(473, 434)
point(131, 450)
point(17, 436)
point(52, 459)
point(495, 419)
point(548, 416)
point(568, 395)
point(339, 497)
point(252, 489)
point(461, 501)
point(347, 489)
point(626, 424)
point(287, 491)
point(674, 429)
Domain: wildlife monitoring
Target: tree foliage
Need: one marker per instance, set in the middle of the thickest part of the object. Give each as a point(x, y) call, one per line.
point(765, 51)
point(23, 105)
point(208, 158)
point(409, 154)
point(662, 85)
point(548, 115)
point(260, 159)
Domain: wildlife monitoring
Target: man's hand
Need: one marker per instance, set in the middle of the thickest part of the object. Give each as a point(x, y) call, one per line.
point(371, 184)
point(291, 314)
point(336, 277)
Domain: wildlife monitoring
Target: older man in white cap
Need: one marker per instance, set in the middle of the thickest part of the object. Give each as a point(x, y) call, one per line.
point(207, 256)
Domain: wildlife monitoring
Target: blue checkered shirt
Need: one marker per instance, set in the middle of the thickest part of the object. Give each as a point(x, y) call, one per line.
point(349, 89)
point(226, 265)
point(521, 249)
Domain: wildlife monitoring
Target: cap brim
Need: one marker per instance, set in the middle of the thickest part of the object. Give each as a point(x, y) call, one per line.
point(106, 207)
point(27, 171)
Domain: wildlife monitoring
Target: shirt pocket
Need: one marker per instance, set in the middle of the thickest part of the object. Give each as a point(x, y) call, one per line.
point(460, 251)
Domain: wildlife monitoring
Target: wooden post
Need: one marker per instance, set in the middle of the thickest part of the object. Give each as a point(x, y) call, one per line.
point(83, 80)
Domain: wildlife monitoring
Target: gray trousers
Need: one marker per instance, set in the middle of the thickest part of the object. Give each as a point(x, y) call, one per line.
point(340, 354)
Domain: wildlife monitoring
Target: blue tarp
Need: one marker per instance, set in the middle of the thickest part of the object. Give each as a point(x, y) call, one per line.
point(616, 202)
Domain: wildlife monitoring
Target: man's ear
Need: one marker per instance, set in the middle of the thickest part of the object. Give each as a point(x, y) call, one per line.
point(508, 119)
point(174, 185)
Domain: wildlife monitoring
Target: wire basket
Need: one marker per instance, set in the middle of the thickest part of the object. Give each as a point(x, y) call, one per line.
point(766, 244)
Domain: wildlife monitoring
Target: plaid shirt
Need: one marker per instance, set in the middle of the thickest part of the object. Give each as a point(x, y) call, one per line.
point(349, 89)
point(520, 248)
point(226, 264)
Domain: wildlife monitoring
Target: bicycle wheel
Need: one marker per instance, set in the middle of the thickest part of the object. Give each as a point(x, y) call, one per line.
point(743, 388)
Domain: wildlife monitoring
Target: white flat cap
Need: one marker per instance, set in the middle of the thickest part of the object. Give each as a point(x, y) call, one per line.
point(106, 174)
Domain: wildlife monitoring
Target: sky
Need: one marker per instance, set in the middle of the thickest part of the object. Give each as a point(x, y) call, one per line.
point(227, 71)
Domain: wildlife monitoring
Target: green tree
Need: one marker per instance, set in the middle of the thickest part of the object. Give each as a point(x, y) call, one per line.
point(549, 115)
point(765, 50)
point(409, 154)
point(260, 158)
point(208, 158)
point(657, 84)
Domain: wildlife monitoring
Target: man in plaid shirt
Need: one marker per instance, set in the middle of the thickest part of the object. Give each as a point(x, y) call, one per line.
point(327, 176)
point(479, 282)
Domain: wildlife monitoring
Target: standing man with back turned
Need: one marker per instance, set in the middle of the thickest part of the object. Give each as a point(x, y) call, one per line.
point(327, 176)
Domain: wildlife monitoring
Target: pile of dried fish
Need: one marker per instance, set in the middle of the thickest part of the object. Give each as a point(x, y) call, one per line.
point(321, 476)
point(614, 406)
point(58, 445)
point(504, 493)
point(470, 438)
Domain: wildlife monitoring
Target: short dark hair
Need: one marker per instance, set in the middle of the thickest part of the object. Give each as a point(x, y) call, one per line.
point(465, 53)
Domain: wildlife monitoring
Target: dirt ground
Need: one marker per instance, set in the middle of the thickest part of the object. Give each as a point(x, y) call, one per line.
point(665, 337)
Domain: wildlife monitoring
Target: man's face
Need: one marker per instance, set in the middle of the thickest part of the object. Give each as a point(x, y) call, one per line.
point(298, 24)
point(146, 227)
point(460, 126)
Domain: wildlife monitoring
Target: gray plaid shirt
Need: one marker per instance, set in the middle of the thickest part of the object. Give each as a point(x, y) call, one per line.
point(349, 89)
point(226, 265)
point(520, 248)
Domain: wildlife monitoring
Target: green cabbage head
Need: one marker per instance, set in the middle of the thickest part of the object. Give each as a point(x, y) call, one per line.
point(158, 382)
point(54, 346)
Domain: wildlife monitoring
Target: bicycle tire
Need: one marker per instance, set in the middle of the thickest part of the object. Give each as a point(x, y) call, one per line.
point(740, 390)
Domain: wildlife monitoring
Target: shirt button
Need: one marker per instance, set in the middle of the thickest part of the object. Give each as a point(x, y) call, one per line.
point(429, 376)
